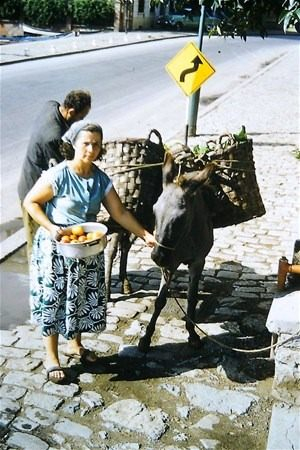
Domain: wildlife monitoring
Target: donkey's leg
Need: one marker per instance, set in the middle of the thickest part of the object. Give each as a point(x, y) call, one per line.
point(125, 245)
point(160, 302)
point(195, 271)
point(111, 252)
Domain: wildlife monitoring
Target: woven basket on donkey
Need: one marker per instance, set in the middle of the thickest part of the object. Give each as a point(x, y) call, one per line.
point(233, 195)
point(138, 187)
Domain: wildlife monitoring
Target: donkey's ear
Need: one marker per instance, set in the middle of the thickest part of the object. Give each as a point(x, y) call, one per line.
point(169, 169)
point(191, 181)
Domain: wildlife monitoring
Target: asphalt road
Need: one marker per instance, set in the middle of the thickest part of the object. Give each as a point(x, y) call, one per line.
point(131, 92)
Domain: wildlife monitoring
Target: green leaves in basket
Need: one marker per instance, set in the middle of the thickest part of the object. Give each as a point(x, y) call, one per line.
point(242, 135)
point(199, 150)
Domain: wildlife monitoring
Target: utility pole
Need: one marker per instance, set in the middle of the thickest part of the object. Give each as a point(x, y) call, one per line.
point(193, 100)
point(126, 15)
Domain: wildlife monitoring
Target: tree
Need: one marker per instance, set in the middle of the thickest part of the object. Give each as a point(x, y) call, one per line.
point(93, 12)
point(11, 9)
point(58, 13)
point(239, 17)
point(244, 16)
point(45, 13)
point(290, 15)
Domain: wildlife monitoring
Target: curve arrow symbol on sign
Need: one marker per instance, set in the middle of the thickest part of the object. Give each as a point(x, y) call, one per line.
point(196, 62)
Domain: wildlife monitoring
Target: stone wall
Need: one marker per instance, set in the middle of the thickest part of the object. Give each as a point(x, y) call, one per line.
point(10, 28)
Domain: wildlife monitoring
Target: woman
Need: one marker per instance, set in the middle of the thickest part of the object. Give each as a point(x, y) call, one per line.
point(67, 295)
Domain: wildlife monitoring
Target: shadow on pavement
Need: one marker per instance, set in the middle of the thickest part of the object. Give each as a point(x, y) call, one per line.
point(233, 311)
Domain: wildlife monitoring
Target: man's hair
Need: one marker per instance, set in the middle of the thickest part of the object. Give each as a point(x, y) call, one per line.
point(78, 100)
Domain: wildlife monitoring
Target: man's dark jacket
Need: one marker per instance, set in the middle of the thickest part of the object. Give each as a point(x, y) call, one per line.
point(43, 147)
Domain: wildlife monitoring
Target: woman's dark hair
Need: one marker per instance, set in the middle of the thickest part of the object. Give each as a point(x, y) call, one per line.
point(93, 128)
point(66, 150)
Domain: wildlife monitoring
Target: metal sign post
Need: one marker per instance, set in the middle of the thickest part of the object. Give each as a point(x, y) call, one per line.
point(193, 100)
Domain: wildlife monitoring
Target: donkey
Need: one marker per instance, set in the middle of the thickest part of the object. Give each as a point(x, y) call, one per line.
point(184, 234)
point(138, 189)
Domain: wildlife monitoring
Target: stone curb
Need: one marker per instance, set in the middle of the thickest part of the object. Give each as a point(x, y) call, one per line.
point(86, 50)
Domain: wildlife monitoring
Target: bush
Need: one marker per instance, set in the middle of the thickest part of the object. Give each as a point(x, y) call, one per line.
point(56, 13)
point(11, 9)
point(45, 13)
point(93, 12)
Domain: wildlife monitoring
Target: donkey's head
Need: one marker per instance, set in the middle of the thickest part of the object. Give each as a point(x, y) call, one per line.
point(175, 211)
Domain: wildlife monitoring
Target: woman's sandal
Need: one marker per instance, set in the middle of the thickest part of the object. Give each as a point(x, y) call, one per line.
point(50, 375)
point(84, 356)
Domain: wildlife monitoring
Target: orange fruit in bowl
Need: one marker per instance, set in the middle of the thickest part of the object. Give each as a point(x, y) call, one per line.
point(98, 234)
point(77, 230)
point(92, 235)
point(65, 239)
point(82, 238)
point(67, 232)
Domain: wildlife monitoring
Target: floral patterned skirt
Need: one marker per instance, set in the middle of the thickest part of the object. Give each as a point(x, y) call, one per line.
point(67, 295)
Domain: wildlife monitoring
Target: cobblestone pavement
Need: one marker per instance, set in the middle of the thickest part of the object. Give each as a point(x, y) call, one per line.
point(174, 397)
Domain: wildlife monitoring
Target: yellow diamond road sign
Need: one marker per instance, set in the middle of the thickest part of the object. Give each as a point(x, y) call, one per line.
point(190, 68)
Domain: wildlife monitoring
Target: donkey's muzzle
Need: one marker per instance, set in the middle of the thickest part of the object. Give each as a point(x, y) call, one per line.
point(161, 256)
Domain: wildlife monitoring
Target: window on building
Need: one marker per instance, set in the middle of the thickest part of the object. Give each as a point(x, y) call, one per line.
point(141, 6)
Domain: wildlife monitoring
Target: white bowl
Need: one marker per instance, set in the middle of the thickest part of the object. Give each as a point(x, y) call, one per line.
point(84, 249)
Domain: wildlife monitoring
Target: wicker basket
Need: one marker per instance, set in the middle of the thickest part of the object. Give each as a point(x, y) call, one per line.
point(233, 195)
point(138, 187)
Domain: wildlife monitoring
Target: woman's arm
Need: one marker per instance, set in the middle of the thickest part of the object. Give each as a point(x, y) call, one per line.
point(40, 194)
point(121, 215)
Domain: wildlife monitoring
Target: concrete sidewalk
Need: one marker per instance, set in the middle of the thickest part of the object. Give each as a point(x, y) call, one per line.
point(205, 400)
point(14, 52)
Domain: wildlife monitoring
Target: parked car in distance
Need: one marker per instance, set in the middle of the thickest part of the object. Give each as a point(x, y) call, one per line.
point(187, 20)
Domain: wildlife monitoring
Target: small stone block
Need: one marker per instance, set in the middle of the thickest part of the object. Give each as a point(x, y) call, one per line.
point(284, 315)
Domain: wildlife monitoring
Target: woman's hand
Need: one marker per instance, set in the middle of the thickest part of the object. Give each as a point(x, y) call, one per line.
point(149, 239)
point(121, 215)
point(56, 232)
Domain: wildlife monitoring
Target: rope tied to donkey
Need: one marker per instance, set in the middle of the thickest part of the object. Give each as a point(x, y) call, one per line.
point(129, 168)
point(238, 350)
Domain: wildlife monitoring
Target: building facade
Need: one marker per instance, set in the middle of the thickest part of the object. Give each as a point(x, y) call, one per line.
point(135, 15)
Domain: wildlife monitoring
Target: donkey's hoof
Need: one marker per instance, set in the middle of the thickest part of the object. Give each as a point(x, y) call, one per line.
point(143, 345)
point(126, 288)
point(195, 342)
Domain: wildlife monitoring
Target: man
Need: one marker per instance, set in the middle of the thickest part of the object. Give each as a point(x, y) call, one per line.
point(43, 148)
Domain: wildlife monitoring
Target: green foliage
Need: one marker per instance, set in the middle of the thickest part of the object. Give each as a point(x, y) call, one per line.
point(244, 16)
point(45, 13)
point(93, 12)
point(291, 14)
point(199, 150)
point(241, 136)
point(224, 141)
point(11, 9)
point(297, 154)
point(55, 13)
point(241, 16)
